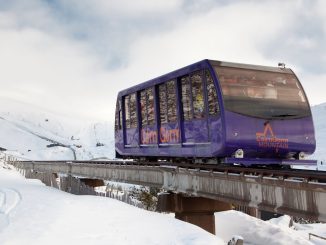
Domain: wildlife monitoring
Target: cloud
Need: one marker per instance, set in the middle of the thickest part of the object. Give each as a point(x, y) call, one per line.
point(50, 70)
point(228, 32)
point(302, 38)
point(259, 32)
point(74, 56)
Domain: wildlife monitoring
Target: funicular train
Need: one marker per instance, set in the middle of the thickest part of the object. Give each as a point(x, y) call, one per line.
point(217, 112)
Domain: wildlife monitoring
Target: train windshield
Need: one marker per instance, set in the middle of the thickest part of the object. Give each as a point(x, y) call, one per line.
point(262, 94)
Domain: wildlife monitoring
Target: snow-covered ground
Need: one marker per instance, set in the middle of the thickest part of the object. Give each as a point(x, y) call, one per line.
point(273, 232)
point(32, 213)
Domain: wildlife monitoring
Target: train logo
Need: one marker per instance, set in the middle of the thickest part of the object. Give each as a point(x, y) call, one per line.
point(148, 136)
point(166, 135)
point(267, 139)
point(169, 135)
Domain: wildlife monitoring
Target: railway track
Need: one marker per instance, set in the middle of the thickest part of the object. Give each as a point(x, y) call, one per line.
point(293, 174)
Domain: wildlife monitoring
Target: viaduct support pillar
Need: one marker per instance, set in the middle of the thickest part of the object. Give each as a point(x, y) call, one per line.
point(195, 210)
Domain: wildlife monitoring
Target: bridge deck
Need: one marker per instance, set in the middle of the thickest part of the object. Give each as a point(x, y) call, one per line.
point(302, 193)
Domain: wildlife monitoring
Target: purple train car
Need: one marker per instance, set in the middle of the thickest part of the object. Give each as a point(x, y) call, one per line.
point(217, 112)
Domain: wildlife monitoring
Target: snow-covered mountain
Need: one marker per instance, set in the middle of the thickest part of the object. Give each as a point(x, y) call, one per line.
point(34, 133)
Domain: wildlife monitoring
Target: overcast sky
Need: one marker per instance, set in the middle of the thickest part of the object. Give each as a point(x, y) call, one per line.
point(74, 56)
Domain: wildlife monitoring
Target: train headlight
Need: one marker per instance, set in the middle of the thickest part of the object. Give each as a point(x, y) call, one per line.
point(239, 153)
point(301, 156)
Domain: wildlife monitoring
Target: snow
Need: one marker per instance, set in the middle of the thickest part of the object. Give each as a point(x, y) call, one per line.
point(273, 232)
point(319, 116)
point(32, 213)
point(28, 131)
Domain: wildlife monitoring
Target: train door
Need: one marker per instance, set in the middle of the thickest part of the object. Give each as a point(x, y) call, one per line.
point(148, 128)
point(131, 122)
point(194, 119)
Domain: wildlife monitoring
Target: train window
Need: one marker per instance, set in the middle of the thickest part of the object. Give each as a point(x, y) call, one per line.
point(197, 95)
point(168, 103)
point(127, 110)
point(172, 101)
point(262, 94)
point(213, 106)
point(118, 116)
point(130, 111)
point(116, 125)
point(163, 103)
point(133, 111)
point(147, 107)
point(186, 98)
point(150, 106)
point(143, 107)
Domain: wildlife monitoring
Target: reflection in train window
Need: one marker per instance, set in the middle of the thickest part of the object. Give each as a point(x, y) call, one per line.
point(147, 107)
point(172, 101)
point(186, 98)
point(168, 102)
point(163, 102)
point(116, 124)
point(213, 106)
point(197, 95)
point(133, 111)
point(250, 92)
point(118, 116)
point(150, 106)
point(127, 110)
point(143, 107)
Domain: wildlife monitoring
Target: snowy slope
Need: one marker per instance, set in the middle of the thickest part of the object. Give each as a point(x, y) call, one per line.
point(272, 232)
point(31, 213)
point(28, 131)
point(97, 140)
point(26, 145)
point(319, 115)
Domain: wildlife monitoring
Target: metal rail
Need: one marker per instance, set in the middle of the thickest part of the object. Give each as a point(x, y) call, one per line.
point(311, 234)
point(295, 192)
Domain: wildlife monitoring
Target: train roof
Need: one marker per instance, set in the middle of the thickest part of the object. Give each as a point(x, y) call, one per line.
point(200, 65)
